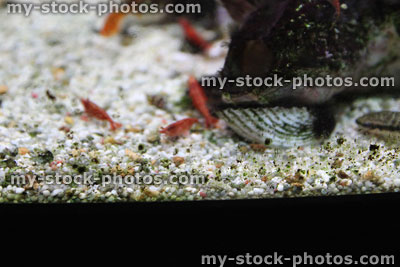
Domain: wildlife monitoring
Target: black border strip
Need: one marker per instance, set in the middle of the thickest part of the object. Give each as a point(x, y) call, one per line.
point(344, 204)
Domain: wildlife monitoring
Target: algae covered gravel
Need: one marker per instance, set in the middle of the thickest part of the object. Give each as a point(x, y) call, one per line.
point(47, 63)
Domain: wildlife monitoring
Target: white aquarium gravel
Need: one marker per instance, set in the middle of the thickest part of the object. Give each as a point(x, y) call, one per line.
point(63, 55)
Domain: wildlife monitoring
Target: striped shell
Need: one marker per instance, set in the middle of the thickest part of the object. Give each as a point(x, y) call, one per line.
point(276, 126)
point(384, 121)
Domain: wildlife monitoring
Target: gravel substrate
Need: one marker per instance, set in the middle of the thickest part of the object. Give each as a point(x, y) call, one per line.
point(47, 63)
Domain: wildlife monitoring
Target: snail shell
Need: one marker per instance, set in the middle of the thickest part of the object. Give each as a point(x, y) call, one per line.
point(275, 126)
point(383, 120)
point(383, 124)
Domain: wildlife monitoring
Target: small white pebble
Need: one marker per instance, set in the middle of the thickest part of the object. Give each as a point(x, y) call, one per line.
point(57, 192)
point(258, 191)
point(280, 187)
point(19, 190)
point(153, 188)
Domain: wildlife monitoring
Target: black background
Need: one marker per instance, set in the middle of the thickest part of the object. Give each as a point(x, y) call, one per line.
point(173, 234)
